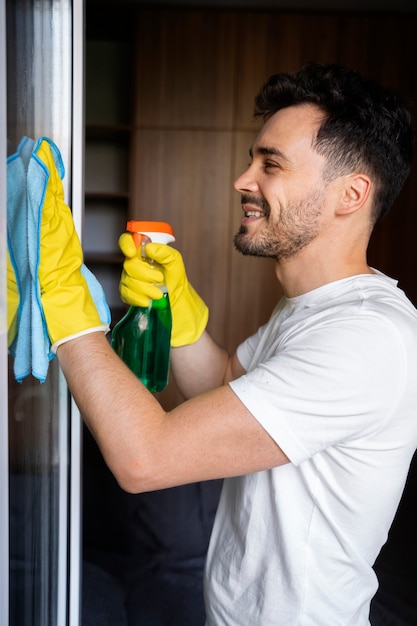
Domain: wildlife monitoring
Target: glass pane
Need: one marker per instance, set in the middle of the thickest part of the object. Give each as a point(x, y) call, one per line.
point(38, 104)
point(34, 481)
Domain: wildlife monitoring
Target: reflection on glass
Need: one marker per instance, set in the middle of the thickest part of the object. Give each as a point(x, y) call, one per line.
point(38, 104)
point(34, 480)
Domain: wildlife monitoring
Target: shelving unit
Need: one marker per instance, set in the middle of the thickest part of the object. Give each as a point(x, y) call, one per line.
point(107, 156)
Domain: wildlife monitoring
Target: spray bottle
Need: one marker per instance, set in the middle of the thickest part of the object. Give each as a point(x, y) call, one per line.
point(142, 337)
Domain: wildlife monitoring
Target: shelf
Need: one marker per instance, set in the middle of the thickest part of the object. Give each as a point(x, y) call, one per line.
point(107, 195)
point(106, 167)
point(103, 258)
point(108, 131)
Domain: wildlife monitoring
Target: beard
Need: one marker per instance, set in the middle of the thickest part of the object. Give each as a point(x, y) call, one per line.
point(297, 226)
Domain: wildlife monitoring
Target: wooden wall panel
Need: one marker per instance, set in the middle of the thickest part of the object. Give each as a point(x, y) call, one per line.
point(382, 47)
point(185, 68)
point(184, 177)
point(271, 42)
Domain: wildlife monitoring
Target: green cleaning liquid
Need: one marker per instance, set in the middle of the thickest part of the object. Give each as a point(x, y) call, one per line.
point(142, 338)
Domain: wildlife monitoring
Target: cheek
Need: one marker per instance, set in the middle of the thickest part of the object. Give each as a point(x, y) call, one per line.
point(275, 201)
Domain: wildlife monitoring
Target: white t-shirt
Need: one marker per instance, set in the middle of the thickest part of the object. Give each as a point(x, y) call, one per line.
point(332, 377)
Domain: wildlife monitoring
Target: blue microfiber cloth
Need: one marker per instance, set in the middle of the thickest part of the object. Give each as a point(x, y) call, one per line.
point(27, 178)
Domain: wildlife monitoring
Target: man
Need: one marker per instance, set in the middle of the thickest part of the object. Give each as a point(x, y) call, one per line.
point(312, 420)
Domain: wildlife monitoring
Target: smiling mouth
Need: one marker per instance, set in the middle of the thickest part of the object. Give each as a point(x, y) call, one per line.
point(254, 207)
point(254, 214)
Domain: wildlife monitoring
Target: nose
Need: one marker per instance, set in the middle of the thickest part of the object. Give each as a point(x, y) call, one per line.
point(246, 181)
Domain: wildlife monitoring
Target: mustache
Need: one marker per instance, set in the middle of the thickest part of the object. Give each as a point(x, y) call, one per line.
point(248, 198)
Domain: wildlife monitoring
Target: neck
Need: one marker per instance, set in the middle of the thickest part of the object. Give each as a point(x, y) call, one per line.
point(303, 273)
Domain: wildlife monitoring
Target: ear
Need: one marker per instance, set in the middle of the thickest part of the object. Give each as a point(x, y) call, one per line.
point(356, 189)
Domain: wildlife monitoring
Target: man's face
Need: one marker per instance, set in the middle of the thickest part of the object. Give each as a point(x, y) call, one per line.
point(283, 192)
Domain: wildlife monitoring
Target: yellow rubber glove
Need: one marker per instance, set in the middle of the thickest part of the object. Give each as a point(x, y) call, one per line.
point(138, 285)
point(13, 300)
point(68, 305)
point(139, 279)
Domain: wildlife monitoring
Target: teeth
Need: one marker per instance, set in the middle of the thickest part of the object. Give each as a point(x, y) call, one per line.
point(253, 214)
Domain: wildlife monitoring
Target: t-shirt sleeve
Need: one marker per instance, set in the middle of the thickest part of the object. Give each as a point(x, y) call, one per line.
point(334, 383)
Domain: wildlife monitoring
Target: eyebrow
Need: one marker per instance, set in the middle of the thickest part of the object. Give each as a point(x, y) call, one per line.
point(267, 151)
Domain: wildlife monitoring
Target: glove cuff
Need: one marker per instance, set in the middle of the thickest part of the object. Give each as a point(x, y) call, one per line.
point(105, 329)
point(189, 318)
point(70, 311)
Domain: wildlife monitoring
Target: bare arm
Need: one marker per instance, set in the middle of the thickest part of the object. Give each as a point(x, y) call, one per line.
point(203, 366)
point(146, 448)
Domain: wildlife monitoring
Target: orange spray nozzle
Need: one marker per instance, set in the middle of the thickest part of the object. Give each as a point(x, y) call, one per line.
point(139, 239)
point(146, 231)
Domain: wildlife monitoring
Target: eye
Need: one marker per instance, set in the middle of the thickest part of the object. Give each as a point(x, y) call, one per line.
point(269, 165)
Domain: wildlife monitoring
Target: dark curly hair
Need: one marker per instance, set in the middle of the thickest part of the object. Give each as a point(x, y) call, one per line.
point(366, 127)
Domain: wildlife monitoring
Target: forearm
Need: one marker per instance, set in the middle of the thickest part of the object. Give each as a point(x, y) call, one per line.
point(110, 397)
point(201, 366)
